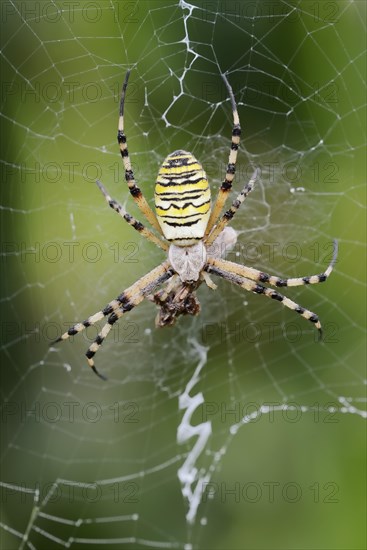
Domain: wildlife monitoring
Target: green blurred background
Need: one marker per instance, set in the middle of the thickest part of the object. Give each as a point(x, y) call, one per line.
point(285, 480)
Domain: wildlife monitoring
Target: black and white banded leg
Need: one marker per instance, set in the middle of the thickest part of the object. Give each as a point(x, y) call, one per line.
point(273, 280)
point(138, 226)
point(257, 288)
point(129, 174)
point(231, 167)
point(126, 301)
point(227, 216)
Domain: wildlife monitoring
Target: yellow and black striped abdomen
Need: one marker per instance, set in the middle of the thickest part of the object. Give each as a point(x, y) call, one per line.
point(182, 199)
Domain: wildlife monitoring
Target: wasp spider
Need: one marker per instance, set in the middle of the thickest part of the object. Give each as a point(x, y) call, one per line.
point(194, 236)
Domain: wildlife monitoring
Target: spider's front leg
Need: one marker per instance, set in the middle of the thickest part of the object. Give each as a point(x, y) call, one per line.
point(231, 167)
point(135, 191)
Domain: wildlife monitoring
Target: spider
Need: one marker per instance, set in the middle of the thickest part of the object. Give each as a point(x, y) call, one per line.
point(193, 234)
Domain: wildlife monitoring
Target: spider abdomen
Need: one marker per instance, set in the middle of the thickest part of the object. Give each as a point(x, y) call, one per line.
point(182, 199)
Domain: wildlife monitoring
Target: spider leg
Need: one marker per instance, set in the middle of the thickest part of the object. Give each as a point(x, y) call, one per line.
point(227, 216)
point(231, 167)
point(128, 299)
point(91, 320)
point(133, 296)
point(253, 286)
point(117, 207)
point(260, 276)
point(102, 335)
point(129, 174)
point(162, 295)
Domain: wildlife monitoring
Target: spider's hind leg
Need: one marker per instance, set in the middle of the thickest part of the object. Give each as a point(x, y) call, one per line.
point(90, 321)
point(125, 302)
point(257, 288)
point(133, 296)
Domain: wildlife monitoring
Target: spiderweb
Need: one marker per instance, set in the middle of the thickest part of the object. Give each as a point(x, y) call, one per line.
point(233, 429)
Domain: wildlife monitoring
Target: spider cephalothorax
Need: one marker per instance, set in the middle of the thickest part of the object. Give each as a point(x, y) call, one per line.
point(179, 296)
point(194, 236)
